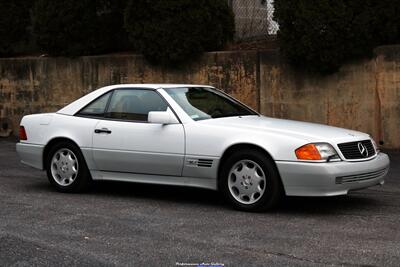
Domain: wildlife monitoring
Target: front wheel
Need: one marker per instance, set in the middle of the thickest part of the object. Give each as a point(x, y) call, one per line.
point(250, 181)
point(66, 168)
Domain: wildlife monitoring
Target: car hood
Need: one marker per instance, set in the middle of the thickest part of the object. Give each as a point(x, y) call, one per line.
point(311, 132)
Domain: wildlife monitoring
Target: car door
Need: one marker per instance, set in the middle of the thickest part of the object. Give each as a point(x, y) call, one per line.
point(124, 141)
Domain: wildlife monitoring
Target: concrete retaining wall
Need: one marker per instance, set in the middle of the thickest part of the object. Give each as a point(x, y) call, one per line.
point(363, 96)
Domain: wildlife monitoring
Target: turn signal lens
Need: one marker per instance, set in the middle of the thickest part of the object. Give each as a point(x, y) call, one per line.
point(317, 151)
point(22, 133)
point(308, 152)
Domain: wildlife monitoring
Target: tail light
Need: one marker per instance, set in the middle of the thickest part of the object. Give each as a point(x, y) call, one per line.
point(22, 133)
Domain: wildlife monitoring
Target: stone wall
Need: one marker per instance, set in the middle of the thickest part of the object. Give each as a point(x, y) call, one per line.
point(364, 95)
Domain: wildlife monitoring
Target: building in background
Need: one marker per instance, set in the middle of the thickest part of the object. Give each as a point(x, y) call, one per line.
point(253, 19)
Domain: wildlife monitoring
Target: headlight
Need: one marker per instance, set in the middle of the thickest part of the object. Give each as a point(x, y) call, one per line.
point(318, 151)
point(375, 146)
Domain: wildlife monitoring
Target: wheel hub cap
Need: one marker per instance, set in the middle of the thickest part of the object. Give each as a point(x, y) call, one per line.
point(64, 168)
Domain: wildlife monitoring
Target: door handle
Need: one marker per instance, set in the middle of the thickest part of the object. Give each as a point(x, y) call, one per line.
point(102, 130)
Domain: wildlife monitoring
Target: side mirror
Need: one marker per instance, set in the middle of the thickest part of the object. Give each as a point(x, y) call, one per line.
point(162, 117)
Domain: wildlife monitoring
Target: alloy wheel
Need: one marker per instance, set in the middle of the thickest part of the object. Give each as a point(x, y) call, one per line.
point(246, 181)
point(64, 167)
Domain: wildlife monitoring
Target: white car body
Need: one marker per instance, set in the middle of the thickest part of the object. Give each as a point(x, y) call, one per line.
point(188, 152)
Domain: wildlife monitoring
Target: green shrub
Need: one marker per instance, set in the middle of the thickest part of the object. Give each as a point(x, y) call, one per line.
point(177, 31)
point(111, 25)
point(14, 23)
point(386, 19)
point(78, 27)
point(321, 35)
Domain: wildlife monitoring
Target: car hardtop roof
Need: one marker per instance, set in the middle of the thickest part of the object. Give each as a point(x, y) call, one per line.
point(78, 104)
point(155, 85)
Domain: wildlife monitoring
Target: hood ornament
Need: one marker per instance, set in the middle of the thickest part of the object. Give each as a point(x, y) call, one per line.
point(363, 150)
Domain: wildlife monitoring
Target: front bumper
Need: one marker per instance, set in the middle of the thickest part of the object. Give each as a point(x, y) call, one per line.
point(31, 155)
point(333, 178)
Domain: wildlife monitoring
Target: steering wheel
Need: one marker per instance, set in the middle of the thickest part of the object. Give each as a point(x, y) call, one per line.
point(216, 112)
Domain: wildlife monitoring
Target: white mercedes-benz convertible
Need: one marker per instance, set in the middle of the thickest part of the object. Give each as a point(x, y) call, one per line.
point(195, 135)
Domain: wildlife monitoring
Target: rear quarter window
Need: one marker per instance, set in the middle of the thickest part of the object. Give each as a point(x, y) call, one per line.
point(97, 107)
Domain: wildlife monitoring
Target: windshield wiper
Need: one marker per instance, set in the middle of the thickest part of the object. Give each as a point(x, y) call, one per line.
point(231, 115)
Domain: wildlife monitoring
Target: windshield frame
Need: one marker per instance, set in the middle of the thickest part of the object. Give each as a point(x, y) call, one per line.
point(217, 92)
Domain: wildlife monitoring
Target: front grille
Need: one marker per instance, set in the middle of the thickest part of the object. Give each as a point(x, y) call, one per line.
point(351, 150)
point(360, 177)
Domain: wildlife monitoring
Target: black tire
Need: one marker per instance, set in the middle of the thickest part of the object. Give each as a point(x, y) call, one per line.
point(273, 191)
point(82, 179)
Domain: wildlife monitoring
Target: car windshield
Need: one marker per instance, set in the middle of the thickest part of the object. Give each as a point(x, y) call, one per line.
point(202, 103)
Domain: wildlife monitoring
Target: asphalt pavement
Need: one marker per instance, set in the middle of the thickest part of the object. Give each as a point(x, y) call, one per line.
point(127, 224)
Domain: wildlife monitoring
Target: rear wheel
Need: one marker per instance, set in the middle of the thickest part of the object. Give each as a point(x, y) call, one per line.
point(66, 168)
point(250, 181)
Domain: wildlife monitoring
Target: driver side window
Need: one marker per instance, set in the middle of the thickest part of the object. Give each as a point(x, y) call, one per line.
point(134, 104)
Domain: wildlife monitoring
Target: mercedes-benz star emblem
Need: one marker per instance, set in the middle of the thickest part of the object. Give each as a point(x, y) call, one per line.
point(363, 150)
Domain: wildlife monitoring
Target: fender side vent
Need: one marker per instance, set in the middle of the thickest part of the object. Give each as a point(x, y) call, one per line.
point(206, 163)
